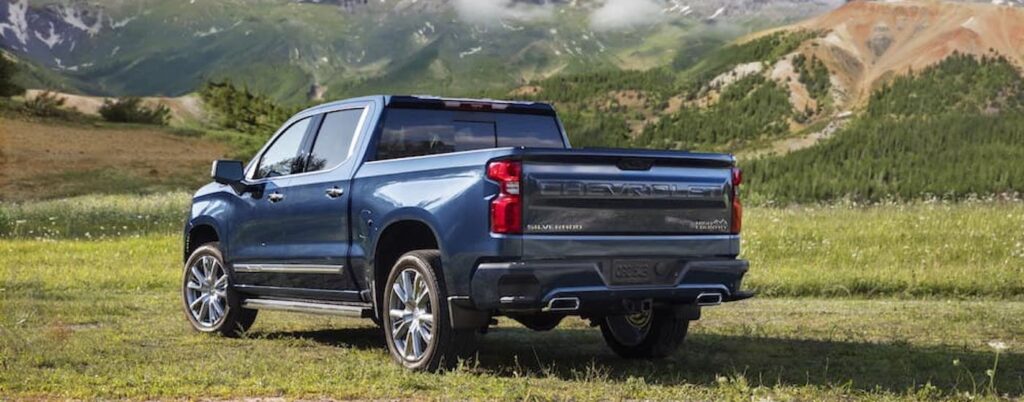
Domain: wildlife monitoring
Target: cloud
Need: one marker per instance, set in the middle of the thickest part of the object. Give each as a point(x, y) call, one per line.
point(494, 11)
point(622, 14)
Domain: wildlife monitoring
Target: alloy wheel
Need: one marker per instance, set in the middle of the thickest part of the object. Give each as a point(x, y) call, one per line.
point(206, 290)
point(412, 316)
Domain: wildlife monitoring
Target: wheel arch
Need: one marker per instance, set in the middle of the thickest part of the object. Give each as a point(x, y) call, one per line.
point(397, 238)
point(199, 233)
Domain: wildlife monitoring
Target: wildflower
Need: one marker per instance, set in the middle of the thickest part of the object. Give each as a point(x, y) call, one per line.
point(956, 362)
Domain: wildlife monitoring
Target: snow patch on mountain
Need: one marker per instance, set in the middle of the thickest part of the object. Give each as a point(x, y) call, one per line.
point(17, 21)
point(421, 35)
point(203, 34)
point(120, 24)
point(678, 7)
point(51, 39)
point(470, 52)
point(718, 13)
point(81, 18)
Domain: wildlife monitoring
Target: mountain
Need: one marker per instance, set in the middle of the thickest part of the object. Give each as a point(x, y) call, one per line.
point(295, 51)
point(873, 100)
point(807, 78)
point(868, 43)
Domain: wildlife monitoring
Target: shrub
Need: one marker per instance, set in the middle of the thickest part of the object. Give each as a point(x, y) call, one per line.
point(7, 70)
point(238, 109)
point(131, 110)
point(46, 104)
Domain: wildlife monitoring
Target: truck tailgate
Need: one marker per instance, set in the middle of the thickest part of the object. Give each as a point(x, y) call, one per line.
point(575, 192)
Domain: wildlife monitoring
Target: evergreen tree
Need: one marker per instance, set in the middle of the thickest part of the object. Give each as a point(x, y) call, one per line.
point(7, 70)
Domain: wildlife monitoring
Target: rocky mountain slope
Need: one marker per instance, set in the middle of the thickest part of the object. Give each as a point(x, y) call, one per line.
point(868, 43)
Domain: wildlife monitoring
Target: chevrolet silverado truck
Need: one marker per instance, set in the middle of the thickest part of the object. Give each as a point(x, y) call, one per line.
point(431, 216)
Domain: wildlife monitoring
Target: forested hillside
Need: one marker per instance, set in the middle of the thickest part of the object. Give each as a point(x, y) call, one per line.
point(707, 105)
point(952, 130)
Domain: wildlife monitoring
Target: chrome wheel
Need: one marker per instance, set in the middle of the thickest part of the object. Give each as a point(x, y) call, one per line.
point(412, 316)
point(206, 290)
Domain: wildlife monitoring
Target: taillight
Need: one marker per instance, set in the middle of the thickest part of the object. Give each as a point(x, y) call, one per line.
point(507, 207)
point(737, 208)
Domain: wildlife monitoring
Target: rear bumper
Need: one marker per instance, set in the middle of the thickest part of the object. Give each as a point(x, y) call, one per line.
point(536, 286)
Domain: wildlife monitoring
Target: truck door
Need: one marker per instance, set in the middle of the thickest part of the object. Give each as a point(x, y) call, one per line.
point(320, 233)
point(261, 231)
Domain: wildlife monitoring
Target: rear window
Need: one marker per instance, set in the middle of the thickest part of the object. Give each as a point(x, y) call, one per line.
point(417, 132)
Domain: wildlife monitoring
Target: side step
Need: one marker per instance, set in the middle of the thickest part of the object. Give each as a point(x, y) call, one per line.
point(349, 310)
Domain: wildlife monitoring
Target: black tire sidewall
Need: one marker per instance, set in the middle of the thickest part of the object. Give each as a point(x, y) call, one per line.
point(665, 334)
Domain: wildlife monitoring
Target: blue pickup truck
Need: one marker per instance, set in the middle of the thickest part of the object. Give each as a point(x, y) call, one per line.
point(432, 216)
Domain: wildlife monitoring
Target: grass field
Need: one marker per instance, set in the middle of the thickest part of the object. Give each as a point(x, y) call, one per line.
point(879, 302)
point(959, 250)
point(100, 318)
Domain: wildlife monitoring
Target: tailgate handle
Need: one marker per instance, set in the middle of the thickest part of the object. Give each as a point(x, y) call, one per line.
point(635, 164)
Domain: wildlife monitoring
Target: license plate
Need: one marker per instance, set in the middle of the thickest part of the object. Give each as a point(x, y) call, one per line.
point(632, 272)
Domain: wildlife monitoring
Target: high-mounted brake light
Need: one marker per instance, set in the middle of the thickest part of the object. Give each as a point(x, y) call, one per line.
point(737, 208)
point(506, 208)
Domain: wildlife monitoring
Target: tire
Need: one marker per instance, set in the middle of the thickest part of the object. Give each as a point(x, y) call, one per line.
point(656, 335)
point(426, 340)
point(205, 277)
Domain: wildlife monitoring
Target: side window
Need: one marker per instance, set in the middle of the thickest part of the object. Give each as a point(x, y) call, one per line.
point(282, 157)
point(333, 142)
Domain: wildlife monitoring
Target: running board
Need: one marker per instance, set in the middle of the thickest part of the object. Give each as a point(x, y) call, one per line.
point(349, 310)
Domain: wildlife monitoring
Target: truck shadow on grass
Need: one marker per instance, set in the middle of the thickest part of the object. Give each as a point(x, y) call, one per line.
point(577, 354)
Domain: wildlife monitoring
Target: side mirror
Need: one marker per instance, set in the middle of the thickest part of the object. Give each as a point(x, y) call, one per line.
point(231, 173)
point(227, 172)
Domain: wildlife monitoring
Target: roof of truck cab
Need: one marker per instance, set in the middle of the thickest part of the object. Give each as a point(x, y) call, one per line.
point(437, 102)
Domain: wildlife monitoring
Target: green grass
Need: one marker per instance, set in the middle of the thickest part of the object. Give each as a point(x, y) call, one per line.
point(933, 285)
point(961, 250)
point(95, 216)
point(920, 249)
point(100, 319)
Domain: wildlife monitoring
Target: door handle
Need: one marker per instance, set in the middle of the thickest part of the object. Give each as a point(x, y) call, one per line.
point(275, 197)
point(335, 192)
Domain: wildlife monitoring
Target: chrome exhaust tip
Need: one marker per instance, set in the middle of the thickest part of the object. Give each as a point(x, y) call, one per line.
point(709, 299)
point(563, 304)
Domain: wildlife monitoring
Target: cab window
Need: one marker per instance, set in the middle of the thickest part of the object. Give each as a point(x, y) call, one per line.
point(282, 157)
point(333, 143)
